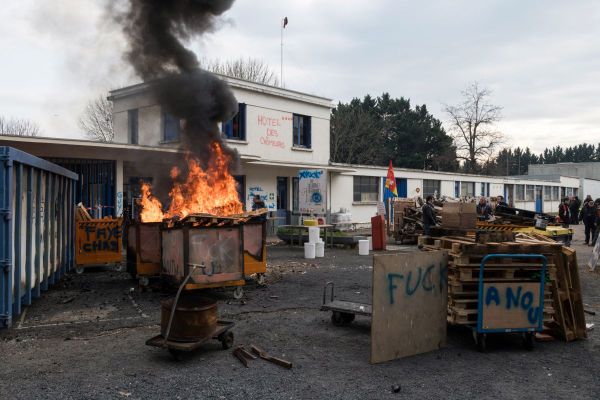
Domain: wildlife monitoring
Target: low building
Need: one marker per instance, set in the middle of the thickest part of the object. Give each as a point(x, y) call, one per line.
point(588, 174)
point(278, 133)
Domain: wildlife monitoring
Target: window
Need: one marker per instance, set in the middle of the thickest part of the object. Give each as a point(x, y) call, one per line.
point(366, 188)
point(467, 188)
point(547, 192)
point(575, 191)
point(529, 193)
point(482, 188)
point(431, 187)
point(562, 192)
point(132, 126)
point(520, 195)
point(235, 128)
point(171, 128)
point(302, 131)
point(456, 189)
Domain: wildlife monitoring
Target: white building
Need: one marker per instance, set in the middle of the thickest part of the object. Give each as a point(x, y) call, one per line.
point(588, 174)
point(277, 132)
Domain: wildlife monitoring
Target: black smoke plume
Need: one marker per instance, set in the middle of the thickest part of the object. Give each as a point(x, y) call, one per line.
point(156, 31)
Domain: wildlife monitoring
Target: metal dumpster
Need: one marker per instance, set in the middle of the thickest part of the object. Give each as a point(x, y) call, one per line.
point(216, 252)
point(98, 242)
point(36, 228)
point(143, 251)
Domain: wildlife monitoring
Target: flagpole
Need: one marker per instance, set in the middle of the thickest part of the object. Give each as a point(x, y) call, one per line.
point(281, 61)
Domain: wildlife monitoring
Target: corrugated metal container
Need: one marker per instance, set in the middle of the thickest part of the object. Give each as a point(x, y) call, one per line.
point(36, 228)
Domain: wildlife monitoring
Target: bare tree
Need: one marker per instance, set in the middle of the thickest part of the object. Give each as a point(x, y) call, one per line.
point(96, 120)
point(18, 127)
point(250, 69)
point(472, 126)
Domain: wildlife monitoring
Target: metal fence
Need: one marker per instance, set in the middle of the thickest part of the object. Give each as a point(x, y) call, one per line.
point(36, 228)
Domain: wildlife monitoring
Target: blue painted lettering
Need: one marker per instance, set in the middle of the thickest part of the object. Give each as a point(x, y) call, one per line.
point(410, 291)
point(527, 300)
point(492, 295)
point(391, 286)
point(427, 279)
point(314, 174)
point(512, 298)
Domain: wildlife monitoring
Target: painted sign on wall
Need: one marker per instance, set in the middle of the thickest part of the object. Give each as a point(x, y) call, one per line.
point(312, 190)
point(511, 305)
point(273, 128)
point(269, 198)
point(409, 304)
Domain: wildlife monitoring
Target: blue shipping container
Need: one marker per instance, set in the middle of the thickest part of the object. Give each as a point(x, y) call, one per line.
point(36, 228)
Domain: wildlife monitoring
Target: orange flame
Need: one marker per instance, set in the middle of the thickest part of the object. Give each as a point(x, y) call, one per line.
point(212, 191)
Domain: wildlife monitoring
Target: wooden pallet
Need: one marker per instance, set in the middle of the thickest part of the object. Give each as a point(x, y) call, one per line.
point(569, 316)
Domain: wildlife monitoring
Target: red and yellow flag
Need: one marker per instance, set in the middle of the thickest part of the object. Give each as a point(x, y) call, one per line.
point(390, 181)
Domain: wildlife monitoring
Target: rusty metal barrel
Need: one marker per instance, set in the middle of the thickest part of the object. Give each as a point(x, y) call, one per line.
point(195, 317)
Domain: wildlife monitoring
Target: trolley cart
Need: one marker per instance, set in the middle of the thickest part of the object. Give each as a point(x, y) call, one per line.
point(221, 331)
point(484, 324)
point(342, 311)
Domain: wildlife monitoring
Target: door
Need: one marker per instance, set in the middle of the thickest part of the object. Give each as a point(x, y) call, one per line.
point(539, 199)
point(402, 187)
point(282, 201)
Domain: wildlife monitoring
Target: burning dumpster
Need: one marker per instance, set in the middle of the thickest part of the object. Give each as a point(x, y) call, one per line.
point(217, 247)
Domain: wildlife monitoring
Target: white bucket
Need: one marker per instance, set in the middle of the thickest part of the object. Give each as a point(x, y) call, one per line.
point(320, 249)
point(363, 247)
point(370, 242)
point(313, 234)
point(309, 250)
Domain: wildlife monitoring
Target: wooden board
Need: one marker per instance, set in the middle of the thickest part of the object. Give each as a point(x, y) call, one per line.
point(409, 304)
point(511, 305)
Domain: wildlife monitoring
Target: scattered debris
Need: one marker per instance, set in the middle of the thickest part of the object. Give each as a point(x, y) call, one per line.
point(396, 388)
point(279, 361)
point(587, 311)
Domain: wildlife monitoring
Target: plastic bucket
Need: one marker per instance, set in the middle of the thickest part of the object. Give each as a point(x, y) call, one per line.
point(313, 235)
point(309, 250)
point(363, 247)
point(320, 249)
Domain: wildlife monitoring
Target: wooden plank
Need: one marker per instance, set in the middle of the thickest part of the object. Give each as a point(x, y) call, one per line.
point(409, 304)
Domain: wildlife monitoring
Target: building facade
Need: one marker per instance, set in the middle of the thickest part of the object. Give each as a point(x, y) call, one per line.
point(277, 133)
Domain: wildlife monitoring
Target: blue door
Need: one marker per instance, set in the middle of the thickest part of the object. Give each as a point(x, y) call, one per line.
point(539, 200)
point(402, 187)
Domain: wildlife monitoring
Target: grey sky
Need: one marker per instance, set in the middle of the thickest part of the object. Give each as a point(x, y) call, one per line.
point(541, 58)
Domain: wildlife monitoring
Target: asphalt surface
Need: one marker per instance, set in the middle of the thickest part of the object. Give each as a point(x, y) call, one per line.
point(85, 339)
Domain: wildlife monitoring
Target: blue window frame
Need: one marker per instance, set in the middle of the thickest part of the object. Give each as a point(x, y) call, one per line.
point(132, 126)
point(235, 128)
point(302, 131)
point(171, 128)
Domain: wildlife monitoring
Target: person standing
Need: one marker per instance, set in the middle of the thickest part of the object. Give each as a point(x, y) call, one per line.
point(429, 219)
point(501, 201)
point(588, 216)
point(564, 212)
point(575, 205)
point(484, 211)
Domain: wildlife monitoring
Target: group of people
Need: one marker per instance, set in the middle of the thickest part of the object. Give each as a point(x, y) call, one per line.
point(484, 211)
point(571, 211)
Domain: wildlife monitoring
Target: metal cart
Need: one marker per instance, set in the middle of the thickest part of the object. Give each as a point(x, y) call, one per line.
point(481, 330)
point(221, 331)
point(343, 311)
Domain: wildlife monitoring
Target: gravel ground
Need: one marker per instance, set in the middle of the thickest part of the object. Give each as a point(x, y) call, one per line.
point(84, 339)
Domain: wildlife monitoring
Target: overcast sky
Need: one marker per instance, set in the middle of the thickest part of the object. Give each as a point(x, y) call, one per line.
point(541, 58)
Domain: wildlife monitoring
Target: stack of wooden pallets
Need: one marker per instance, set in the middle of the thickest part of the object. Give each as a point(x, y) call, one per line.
point(563, 307)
